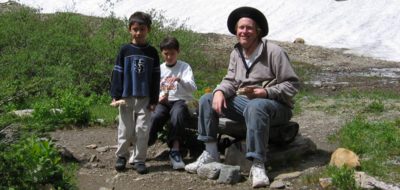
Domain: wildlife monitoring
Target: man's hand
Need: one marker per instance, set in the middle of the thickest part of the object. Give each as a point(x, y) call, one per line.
point(253, 92)
point(218, 102)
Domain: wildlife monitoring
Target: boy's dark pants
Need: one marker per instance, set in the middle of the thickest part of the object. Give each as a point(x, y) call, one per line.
point(178, 113)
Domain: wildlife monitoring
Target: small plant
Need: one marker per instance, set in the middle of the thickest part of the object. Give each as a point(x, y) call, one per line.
point(68, 107)
point(101, 109)
point(30, 163)
point(342, 178)
point(375, 107)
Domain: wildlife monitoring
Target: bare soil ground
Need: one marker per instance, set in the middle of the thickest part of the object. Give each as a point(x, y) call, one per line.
point(315, 123)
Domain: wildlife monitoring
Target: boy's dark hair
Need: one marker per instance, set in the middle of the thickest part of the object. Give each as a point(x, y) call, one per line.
point(140, 18)
point(169, 43)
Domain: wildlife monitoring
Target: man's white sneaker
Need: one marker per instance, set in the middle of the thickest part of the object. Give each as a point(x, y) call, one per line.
point(259, 177)
point(204, 158)
point(176, 160)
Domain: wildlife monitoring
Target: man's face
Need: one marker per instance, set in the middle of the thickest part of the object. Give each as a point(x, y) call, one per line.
point(139, 33)
point(246, 32)
point(170, 56)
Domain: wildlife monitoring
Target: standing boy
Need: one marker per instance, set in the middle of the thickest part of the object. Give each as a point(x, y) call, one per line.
point(134, 88)
point(177, 86)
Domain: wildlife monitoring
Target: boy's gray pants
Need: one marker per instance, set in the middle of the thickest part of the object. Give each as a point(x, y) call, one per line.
point(258, 114)
point(133, 128)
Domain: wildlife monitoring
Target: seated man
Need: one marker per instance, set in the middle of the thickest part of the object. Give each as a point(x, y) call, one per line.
point(257, 90)
point(177, 86)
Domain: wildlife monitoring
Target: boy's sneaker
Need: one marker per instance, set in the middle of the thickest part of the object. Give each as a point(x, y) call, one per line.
point(204, 158)
point(120, 164)
point(176, 160)
point(259, 177)
point(140, 167)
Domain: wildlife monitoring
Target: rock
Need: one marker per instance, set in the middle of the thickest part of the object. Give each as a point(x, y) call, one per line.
point(342, 156)
point(93, 158)
point(235, 154)
point(325, 182)
point(105, 188)
point(288, 176)
point(9, 134)
point(277, 184)
point(24, 113)
point(103, 149)
point(91, 146)
point(300, 147)
point(66, 154)
point(162, 154)
point(99, 121)
point(210, 171)
point(367, 182)
point(56, 111)
point(229, 175)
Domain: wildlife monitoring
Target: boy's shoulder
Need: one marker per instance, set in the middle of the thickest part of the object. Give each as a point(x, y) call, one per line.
point(183, 63)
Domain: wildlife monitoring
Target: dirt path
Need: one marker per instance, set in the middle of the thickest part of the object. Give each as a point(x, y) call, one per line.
point(98, 171)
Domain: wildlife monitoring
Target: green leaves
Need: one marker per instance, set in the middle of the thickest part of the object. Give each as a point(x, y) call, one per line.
point(67, 107)
point(30, 162)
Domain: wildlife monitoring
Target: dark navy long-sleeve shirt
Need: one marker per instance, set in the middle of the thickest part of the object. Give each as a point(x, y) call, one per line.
point(136, 73)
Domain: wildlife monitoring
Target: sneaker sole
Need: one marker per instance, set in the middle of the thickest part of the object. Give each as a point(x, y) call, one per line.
point(178, 168)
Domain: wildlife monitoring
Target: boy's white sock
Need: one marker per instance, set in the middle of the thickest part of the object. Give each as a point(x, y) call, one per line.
point(211, 148)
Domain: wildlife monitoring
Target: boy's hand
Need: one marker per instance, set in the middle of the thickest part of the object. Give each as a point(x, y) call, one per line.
point(172, 79)
point(151, 107)
point(116, 103)
point(163, 99)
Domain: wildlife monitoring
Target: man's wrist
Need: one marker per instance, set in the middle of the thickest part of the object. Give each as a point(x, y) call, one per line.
point(266, 93)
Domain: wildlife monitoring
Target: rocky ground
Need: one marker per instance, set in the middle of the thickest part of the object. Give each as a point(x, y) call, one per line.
point(94, 147)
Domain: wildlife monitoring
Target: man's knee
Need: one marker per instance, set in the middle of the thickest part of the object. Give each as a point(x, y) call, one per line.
point(256, 107)
point(205, 99)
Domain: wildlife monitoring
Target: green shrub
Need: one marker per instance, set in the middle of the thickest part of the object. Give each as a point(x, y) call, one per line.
point(375, 106)
point(342, 178)
point(100, 109)
point(69, 107)
point(30, 163)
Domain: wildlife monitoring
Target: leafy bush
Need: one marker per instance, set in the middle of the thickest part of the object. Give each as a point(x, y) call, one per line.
point(375, 107)
point(342, 178)
point(30, 163)
point(68, 107)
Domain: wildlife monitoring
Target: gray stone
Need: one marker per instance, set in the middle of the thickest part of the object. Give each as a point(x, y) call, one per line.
point(93, 158)
point(287, 176)
point(66, 154)
point(100, 121)
point(229, 175)
point(103, 149)
point(235, 154)
point(301, 146)
point(24, 113)
point(368, 182)
point(9, 134)
point(325, 182)
point(277, 184)
point(210, 170)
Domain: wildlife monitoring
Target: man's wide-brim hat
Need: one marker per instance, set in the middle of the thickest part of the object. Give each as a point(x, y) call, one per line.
point(248, 12)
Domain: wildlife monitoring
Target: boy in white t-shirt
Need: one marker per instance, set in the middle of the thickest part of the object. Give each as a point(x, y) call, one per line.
point(177, 86)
